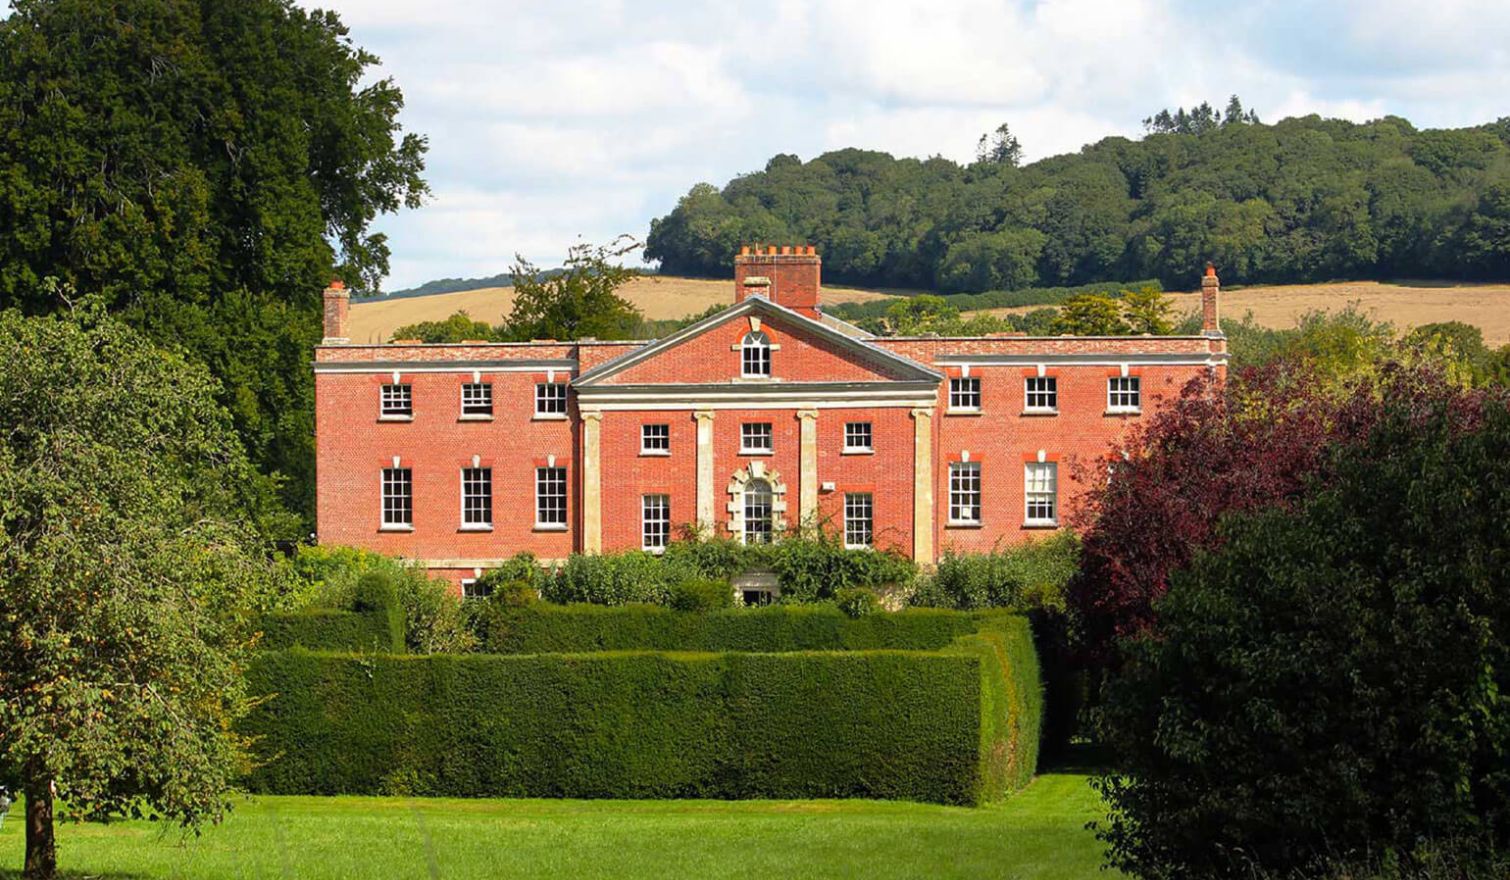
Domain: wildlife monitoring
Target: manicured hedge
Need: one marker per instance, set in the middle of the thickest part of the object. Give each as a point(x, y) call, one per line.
point(542, 628)
point(957, 724)
point(380, 631)
point(373, 622)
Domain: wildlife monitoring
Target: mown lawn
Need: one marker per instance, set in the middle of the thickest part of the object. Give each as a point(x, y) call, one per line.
point(1039, 833)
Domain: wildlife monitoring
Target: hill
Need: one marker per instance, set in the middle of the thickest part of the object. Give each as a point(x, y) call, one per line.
point(1300, 201)
point(1405, 304)
point(656, 296)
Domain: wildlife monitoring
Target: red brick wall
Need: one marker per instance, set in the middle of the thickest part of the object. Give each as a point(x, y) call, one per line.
point(628, 475)
point(887, 474)
point(1002, 438)
point(352, 447)
point(714, 356)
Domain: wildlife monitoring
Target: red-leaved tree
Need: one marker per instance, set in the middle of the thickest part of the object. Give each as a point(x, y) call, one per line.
point(1255, 441)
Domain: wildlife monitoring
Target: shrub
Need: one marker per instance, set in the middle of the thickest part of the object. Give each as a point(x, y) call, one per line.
point(1330, 682)
point(1022, 578)
point(857, 601)
point(431, 611)
point(922, 725)
point(701, 595)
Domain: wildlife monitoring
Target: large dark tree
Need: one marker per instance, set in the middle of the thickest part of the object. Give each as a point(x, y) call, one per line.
point(1330, 682)
point(206, 167)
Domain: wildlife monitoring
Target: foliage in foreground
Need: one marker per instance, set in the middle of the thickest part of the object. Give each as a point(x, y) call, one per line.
point(1022, 577)
point(1329, 683)
point(127, 572)
point(206, 167)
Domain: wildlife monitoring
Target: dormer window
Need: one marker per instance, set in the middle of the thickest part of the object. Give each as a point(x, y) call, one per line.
point(755, 356)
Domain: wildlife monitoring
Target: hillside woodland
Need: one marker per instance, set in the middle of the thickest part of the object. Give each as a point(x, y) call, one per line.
point(1301, 200)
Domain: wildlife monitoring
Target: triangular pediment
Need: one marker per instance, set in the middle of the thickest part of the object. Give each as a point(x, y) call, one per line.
point(803, 351)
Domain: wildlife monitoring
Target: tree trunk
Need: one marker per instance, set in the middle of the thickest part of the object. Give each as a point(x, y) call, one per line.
point(41, 848)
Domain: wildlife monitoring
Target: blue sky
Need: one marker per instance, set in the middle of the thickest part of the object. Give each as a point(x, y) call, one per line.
point(566, 118)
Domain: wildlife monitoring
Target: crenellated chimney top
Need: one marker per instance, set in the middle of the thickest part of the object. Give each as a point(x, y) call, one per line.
point(789, 275)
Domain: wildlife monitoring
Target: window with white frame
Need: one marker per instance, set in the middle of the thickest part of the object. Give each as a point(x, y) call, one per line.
point(964, 492)
point(755, 437)
point(755, 355)
point(859, 521)
point(1123, 394)
point(477, 399)
point(397, 400)
point(655, 522)
point(759, 513)
point(964, 393)
point(477, 497)
point(398, 496)
point(550, 496)
point(475, 588)
point(1042, 394)
point(857, 437)
point(1041, 487)
point(550, 399)
point(655, 439)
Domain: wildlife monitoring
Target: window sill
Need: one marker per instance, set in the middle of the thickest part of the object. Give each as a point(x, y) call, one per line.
point(963, 524)
point(654, 551)
point(655, 453)
point(408, 418)
point(963, 412)
point(859, 547)
point(474, 417)
point(550, 527)
point(1041, 524)
point(757, 452)
point(857, 452)
point(549, 417)
point(475, 527)
point(756, 380)
point(391, 527)
point(1136, 411)
point(1040, 412)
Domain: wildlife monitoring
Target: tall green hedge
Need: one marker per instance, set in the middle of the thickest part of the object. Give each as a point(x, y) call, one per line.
point(373, 622)
point(957, 724)
point(542, 628)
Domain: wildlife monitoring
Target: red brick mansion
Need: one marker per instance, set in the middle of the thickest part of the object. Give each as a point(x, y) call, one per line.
point(765, 416)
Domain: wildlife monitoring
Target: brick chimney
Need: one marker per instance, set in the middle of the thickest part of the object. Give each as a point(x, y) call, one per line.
point(788, 276)
point(1210, 295)
point(337, 304)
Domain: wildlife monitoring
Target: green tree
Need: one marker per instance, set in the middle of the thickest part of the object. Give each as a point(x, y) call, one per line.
point(458, 328)
point(1329, 680)
point(127, 571)
point(999, 147)
point(580, 301)
point(1147, 311)
point(207, 168)
point(1090, 314)
point(924, 313)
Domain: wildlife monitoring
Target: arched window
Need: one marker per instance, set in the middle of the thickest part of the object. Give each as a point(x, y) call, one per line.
point(755, 355)
point(758, 512)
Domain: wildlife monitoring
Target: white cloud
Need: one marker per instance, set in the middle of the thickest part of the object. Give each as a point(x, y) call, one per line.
point(552, 119)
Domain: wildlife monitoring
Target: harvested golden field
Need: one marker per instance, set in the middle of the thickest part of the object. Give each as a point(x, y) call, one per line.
point(1405, 304)
point(656, 296)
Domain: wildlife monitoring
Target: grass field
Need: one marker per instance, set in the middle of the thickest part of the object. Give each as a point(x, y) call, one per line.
point(1038, 833)
point(1404, 304)
point(658, 297)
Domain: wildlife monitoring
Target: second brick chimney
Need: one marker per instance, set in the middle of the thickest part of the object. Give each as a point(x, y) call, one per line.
point(789, 276)
point(1210, 295)
point(337, 307)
